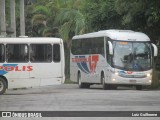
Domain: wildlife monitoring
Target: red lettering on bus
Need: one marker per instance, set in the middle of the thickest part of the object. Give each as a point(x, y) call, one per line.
point(8, 68)
point(16, 68)
point(23, 68)
point(93, 63)
point(1, 67)
point(29, 68)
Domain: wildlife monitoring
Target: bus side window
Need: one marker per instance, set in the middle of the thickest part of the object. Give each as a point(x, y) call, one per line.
point(17, 52)
point(40, 53)
point(2, 53)
point(56, 53)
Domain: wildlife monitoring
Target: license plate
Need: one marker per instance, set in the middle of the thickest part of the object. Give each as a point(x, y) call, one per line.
point(132, 81)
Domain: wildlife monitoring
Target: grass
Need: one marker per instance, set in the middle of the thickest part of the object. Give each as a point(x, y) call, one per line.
point(68, 81)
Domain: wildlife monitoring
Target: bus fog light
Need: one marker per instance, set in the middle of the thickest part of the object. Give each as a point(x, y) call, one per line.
point(148, 75)
point(113, 79)
point(150, 81)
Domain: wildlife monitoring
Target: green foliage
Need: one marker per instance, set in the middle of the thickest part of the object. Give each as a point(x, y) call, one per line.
point(140, 15)
point(101, 15)
point(42, 17)
point(90, 15)
point(68, 81)
point(70, 22)
point(41, 10)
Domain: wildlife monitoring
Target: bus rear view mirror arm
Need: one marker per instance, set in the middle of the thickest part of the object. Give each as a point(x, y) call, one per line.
point(110, 48)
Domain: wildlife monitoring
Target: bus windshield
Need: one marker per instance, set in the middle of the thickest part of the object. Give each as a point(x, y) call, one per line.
point(132, 56)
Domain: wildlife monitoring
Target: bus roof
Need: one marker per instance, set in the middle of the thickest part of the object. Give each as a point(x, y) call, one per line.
point(28, 40)
point(126, 35)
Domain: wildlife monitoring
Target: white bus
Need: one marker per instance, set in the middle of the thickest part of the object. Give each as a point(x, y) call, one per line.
point(112, 58)
point(28, 62)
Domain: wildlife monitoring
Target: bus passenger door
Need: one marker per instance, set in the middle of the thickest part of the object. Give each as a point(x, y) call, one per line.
point(109, 53)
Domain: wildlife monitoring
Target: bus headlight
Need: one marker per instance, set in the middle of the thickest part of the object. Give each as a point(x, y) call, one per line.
point(148, 74)
point(116, 73)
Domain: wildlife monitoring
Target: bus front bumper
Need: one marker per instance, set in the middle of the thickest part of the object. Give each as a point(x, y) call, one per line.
point(129, 81)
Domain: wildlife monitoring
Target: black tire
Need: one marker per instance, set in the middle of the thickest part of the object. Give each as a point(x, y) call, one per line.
point(139, 87)
point(80, 84)
point(113, 87)
point(107, 86)
point(104, 85)
point(3, 86)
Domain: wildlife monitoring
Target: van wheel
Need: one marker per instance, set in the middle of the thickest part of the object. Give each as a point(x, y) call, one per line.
point(80, 84)
point(3, 86)
point(139, 87)
point(104, 85)
point(112, 87)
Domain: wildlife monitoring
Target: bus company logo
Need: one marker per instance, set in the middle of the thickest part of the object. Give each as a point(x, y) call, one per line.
point(5, 68)
point(87, 64)
point(125, 72)
point(129, 72)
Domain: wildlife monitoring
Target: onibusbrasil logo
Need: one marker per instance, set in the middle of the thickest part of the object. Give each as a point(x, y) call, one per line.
point(6, 68)
point(87, 64)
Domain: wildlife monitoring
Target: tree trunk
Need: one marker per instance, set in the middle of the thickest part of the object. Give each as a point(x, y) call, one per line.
point(13, 17)
point(2, 18)
point(67, 60)
point(22, 18)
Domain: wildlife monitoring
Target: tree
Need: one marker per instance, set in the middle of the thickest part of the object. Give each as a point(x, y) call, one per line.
point(40, 19)
point(13, 19)
point(70, 22)
point(101, 15)
point(2, 19)
point(22, 18)
point(141, 15)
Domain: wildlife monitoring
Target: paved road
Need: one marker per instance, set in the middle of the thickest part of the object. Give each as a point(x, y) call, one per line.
point(69, 97)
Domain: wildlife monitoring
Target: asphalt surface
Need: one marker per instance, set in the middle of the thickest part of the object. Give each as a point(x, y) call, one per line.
point(69, 97)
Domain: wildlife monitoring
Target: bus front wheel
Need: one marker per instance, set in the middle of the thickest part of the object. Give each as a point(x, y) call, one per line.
point(3, 86)
point(104, 85)
point(107, 86)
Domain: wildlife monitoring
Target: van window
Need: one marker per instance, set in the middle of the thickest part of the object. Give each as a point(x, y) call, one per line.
point(56, 53)
point(2, 53)
point(40, 52)
point(17, 53)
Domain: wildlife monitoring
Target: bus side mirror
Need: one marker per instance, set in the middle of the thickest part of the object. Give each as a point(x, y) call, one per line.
point(110, 48)
point(155, 49)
